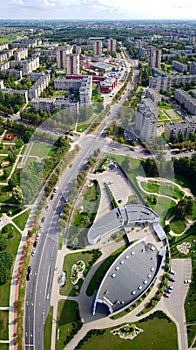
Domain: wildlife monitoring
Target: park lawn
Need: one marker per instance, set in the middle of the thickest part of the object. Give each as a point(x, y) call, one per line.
point(48, 329)
point(177, 226)
point(100, 272)
point(40, 149)
point(163, 207)
point(157, 334)
point(21, 219)
point(82, 127)
point(69, 261)
point(4, 318)
point(4, 346)
point(68, 313)
point(164, 188)
point(12, 248)
point(188, 236)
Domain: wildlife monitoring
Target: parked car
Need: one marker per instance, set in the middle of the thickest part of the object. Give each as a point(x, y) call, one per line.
point(171, 279)
point(33, 252)
point(166, 295)
point(35, 243)
point(172, 272)
point(169, 287)
point(29, 269)
point(187, 281)
point(37, 236)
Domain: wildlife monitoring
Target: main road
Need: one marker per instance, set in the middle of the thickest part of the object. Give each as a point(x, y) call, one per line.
point(38, 289)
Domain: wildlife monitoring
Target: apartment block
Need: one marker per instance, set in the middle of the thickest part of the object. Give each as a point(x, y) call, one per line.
point(23, 93)
point(61, 55)
point(73, 64)
point(192, 67)
point(179, 66)
point(97, 47)
point(20, 54)
point(111, 45)
point(15, 72)
point(154, 57)
point(153, 95)
point(184, 127)
point(186, 100)
point(51, 104)
point(146, 120)
point(30, 65)
point(167, 82)
point(40, 85)
point(85, 91)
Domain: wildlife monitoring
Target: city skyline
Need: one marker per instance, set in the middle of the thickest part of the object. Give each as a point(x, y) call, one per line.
point(102, 9)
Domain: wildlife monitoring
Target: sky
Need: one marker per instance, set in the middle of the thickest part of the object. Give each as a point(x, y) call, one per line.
point(98, 9)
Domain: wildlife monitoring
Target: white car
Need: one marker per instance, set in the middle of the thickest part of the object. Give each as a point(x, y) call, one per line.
point(33, 252)
point(187, 281)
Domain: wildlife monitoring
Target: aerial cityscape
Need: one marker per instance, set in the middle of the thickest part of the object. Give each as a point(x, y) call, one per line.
point(97, 175)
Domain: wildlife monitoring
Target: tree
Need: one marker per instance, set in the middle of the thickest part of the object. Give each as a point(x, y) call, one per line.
point(3, 243)
point(167, 228)
point(17, 194)
point(5, 266)
point(27, 136)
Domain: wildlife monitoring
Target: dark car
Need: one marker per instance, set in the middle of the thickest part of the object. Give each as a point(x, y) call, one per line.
point(43, 219)
point(35, 244)
point(28, 276)
point(29, 269)
point(51, 197)
point(171, 279)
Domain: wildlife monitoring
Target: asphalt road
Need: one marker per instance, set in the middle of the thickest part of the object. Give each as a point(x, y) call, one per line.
point(39, 286)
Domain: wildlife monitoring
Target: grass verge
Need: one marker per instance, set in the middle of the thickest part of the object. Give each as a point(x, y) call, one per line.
point(68, 322)
point(48, 329)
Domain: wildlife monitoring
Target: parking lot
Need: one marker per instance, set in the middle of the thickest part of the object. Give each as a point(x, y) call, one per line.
point(175, 303)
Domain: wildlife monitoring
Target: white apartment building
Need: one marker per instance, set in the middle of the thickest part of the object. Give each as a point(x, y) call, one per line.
point(111, 45)
point(85, 91)
point(153, 95)
point(165, 83)
point(188, 102)
point(37, 88)
point(73, 64)
point(51, 104)
point(29, 65)
point(20, 54)
point(146, 120)
point(97, 47)
point(154, 57)
point(61, 55)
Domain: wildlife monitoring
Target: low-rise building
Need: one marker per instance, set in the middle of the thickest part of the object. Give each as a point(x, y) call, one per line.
point(153, 95)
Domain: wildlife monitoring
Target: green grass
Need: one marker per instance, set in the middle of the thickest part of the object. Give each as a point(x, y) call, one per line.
point(177, 226)
point(69, 261)
point(99, 274)
point(164, 207)
point(12, 248)
point(164, 188)
point(21, 219)
point(68, 315)
point(82, 127)
point(40, 149)
point(48, 329)
point(158, 334)
point(188, 236)
point(190, 307)
point(4, 317)
point(4, 346)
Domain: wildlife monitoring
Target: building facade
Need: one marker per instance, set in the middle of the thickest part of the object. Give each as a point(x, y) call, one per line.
point(146, 120)
point(73, 64)
point(154, 57)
